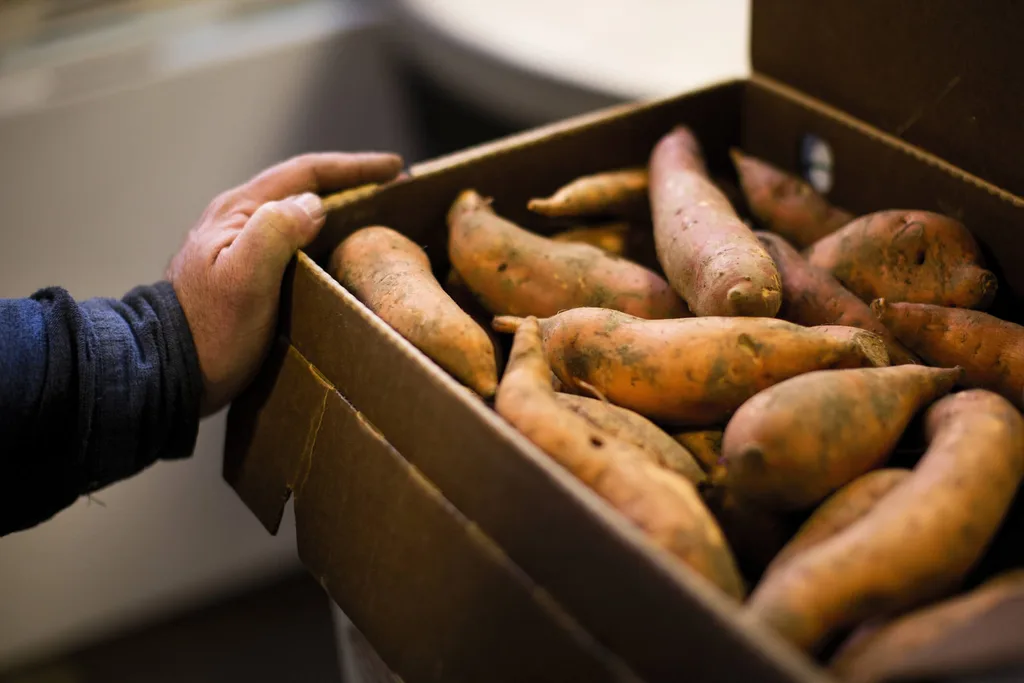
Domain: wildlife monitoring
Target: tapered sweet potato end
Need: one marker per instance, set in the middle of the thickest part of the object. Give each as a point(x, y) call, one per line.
point(467, 201)
point(507, 324)
point(975, 287)
point(547, 206)
point(748, 299)
point(483, 376)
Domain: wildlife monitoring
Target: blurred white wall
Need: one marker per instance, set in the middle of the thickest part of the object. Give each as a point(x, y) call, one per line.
point(533, 61)
point(110, 148)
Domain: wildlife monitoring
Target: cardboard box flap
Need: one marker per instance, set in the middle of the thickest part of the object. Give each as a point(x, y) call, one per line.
point(940, 74)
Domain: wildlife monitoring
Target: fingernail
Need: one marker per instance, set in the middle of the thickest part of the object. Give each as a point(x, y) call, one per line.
point(313, 205)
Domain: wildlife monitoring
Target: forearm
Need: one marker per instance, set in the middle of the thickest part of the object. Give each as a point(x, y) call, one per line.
point(90, 394)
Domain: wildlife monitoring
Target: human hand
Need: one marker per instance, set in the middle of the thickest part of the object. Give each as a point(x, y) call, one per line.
point(227, 276)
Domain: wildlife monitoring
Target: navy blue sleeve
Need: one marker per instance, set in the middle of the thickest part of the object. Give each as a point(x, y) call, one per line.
point(90, 393)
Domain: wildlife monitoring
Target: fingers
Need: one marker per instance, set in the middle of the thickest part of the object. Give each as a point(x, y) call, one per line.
point(321, 172)
point(271, 237)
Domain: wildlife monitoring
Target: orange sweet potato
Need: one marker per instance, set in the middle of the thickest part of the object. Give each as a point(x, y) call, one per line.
point(391, 275)
point(693, 371)
point(754, 534)
point(874, 353)
point(811, 296)
point(784, 203)
point(705, 445)
point(874, 650)
point(666, 506)
point(990, 350)
point(615, 193)
point(513, 271)
point(840, 510)
point(795, 443)
point(708, 254)
point(919, 541)
point(915, 256)
point(637, 430)
point(461, 295)
point(612, 237)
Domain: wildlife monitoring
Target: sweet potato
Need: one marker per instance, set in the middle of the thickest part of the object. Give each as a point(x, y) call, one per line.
point(811, 296)
point(785, 204)
point(612, 238)
point(754, 534)
point(705, 445)
point(874, 650)
point(391, 275)
point(918, 541)
point(461, 295)
point(793, 444)
point(614, 193)
point(873, 348)
point(633, 240)
point(708, 254)
point(513, 271)
point(690, 372)
point(637, 430)
point(840, 510)
point(990, 350)
point(666, 506)
point(915, 256)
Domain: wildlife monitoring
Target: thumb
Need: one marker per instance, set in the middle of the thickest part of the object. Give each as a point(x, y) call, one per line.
point(275, 232)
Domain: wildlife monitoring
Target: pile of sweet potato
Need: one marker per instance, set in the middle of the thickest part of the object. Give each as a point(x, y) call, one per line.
point(741, 399)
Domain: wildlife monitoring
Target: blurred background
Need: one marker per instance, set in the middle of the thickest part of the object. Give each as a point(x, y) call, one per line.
point(119, 121)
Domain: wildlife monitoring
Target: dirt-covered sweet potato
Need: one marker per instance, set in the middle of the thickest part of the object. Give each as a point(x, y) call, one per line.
point(876, 649)
point(919, 541)
point(786, 204)
point(612, 193)
point(914, 256)
point(513, 271)
point(840, 510)
point(708, 254)
point(637, 430)
point(812, 296)
point(990, 350)
point(692, 371)
point(795, 443)
point(391, 274)
point(704, 444)
point(667, 507)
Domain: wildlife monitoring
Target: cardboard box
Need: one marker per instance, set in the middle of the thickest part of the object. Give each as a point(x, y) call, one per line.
point(461, 551)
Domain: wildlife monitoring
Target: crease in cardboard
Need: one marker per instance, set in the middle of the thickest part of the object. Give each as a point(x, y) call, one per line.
point(816, 105)
point(306, 461)
point(369, 425)
point(543, 599)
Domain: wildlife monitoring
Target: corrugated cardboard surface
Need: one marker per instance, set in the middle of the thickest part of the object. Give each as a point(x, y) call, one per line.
point(941, 74)
point(437, 596)
point(409, 432)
